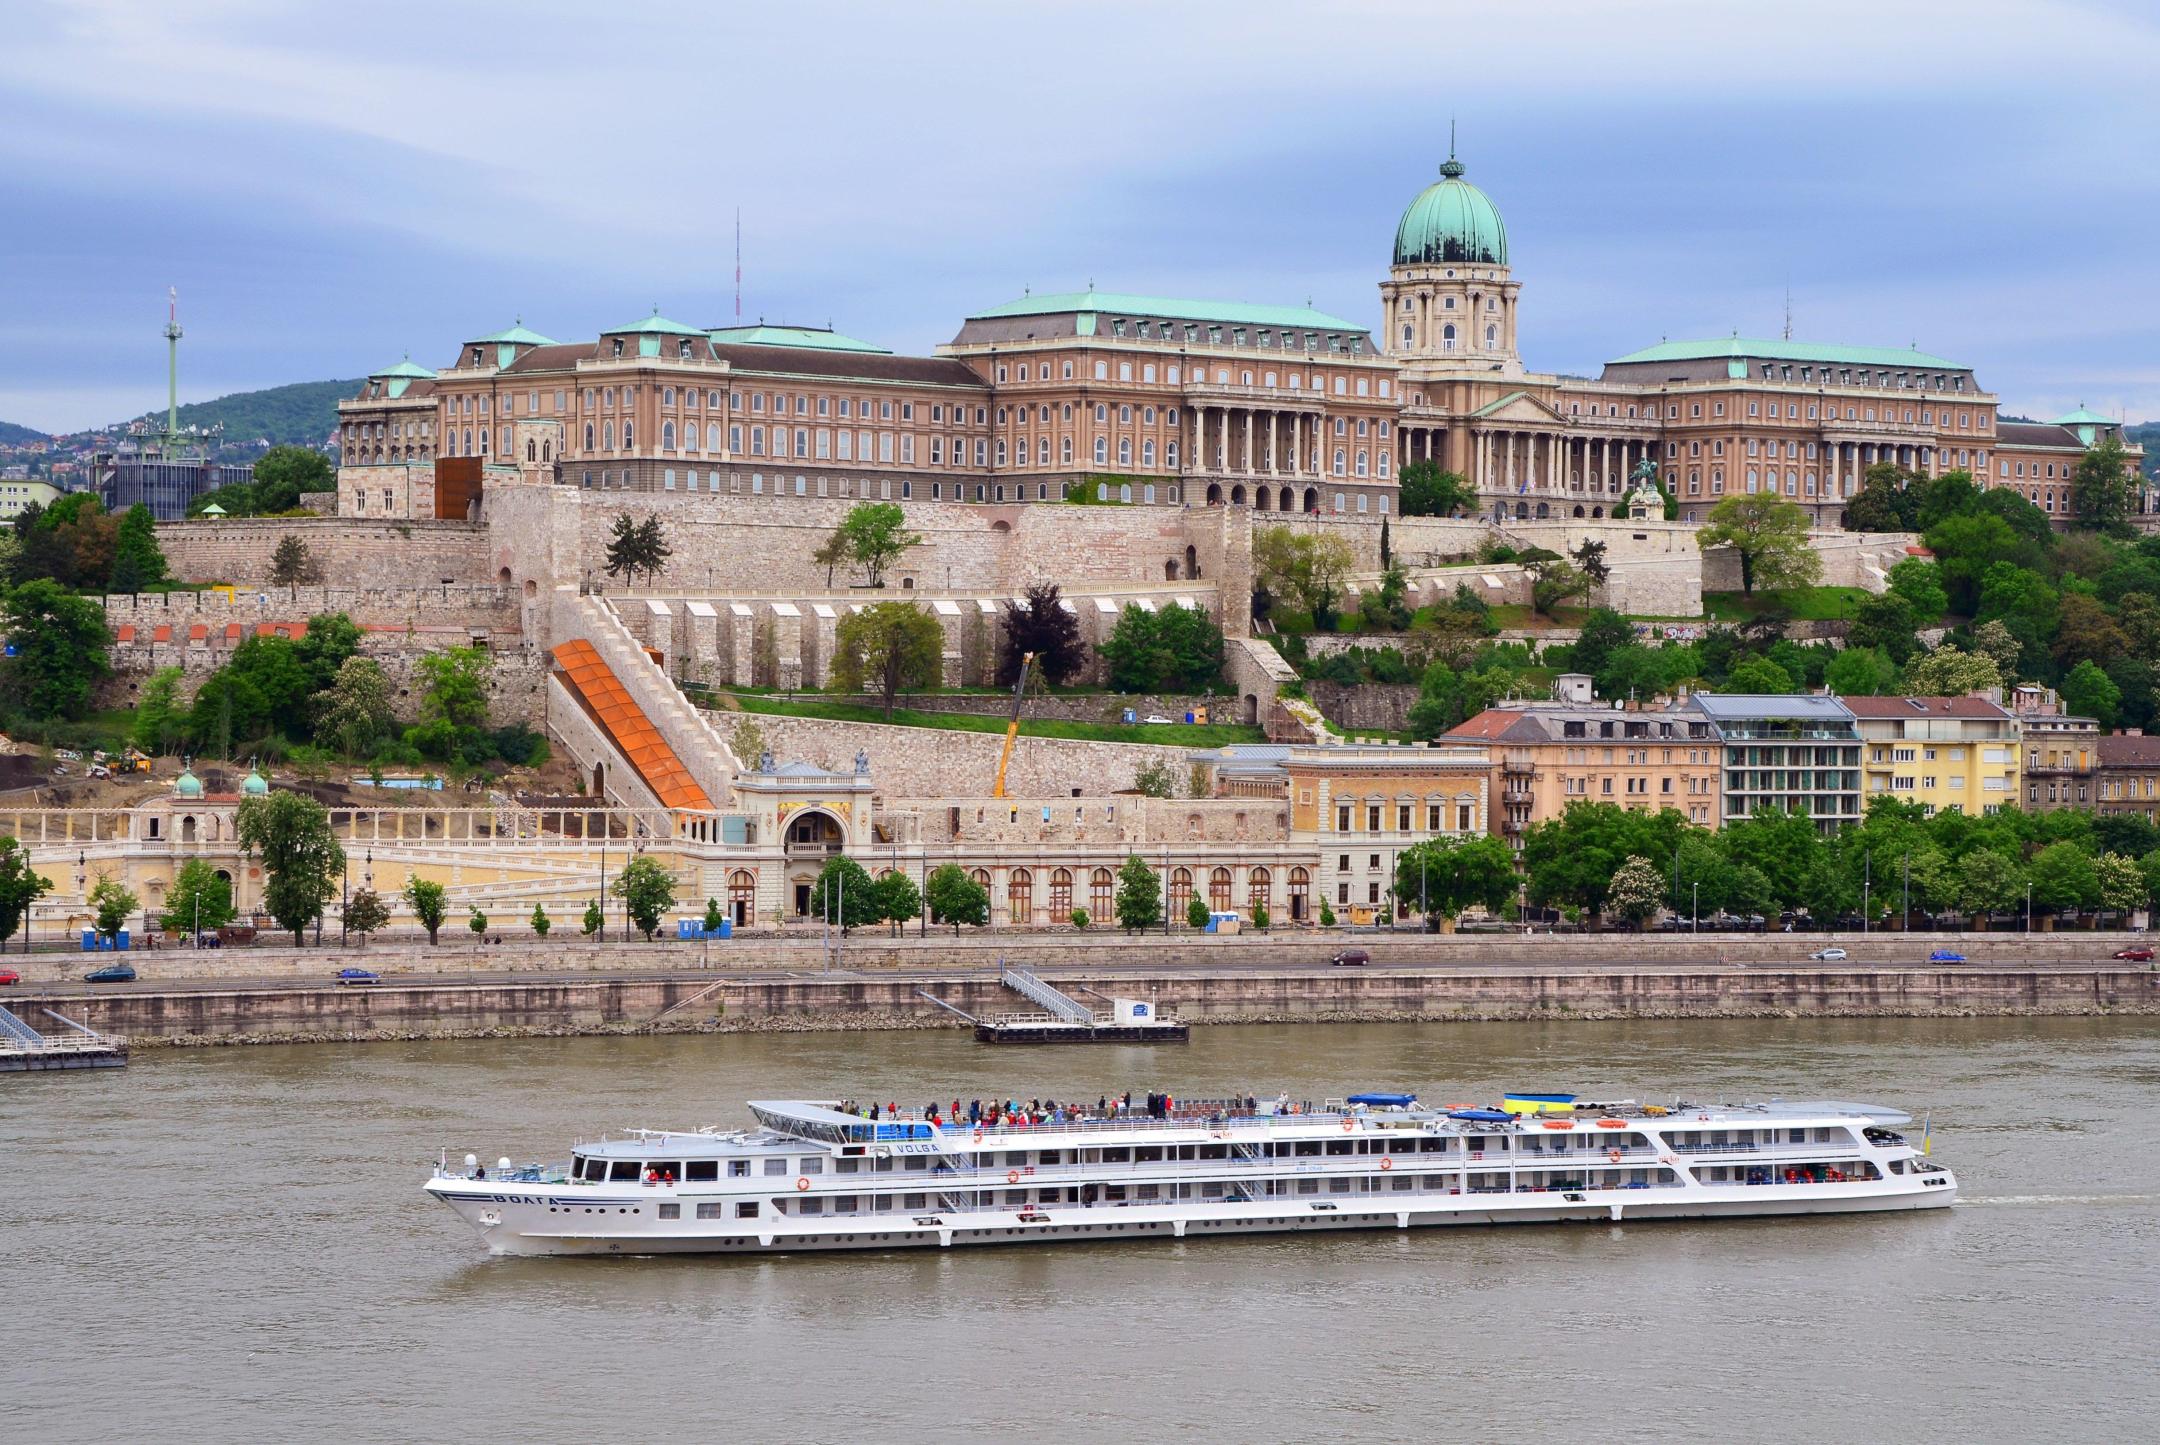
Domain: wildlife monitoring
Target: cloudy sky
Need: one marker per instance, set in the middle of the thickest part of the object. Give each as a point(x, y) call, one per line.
point(331, 188)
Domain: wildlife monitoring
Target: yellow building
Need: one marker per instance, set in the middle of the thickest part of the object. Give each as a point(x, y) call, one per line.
point(1361, 806)
point(18, 493)
point(1943, 753)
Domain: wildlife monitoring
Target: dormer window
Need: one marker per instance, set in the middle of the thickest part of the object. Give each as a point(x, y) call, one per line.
point(684, 351)
point(476, 355)
point(618, 347)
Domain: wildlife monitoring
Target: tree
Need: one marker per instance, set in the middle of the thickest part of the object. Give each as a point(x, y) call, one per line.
point(1196, 913)
point(2088, 691)
point(228, 708)
point(594, 920)
point(1385, 608)
point(877, 535)
point(888, 646)
point(1635, 890)
point(137, 562)
point(1260, 917)
point(1861, 672)
point(1771, 536)
point(541, 923)
point(1306, 568)
point(293, 564)
point(1177, 649)
point(1995, 641)
point(898, 899)
point(1947, 672)
point(1423, 490)
point(1554, 581)
point(1155, 779)
point(20, 886)
point(285, 472)
point(1589, 559)
point(844, 894)
point(2100, 487)
point(1327, 914)
point(160, 724)
point(111, 904)
point(1992, 882)
point(352, 715)
point(2119, 883)
point(291, 834)
point(1443, 876)
point(1604, 631)
point(714, 919)
point(429, 902)
point(1139, 896)
point(1919, 582)
point(830, 554)
point(1041, 623)
point(330, 639)
point(2062, 877)
point(1570, 860)
point(1882, 504)
point(454, 686)
point(1080, 918)
point(2083, 629)
point(197, 900)
point(1758, 675)
point(478, 922)
point(1966, 546)
point(636, 546)
point(956, 898)
point(366, 913)
point(1387, 551)
point(1886, 622)
point(60, 652)
point(647, 891)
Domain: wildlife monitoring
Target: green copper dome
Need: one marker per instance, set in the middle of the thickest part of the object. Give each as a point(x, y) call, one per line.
point(1451, 222)
point(256, 785)
point(187, 785)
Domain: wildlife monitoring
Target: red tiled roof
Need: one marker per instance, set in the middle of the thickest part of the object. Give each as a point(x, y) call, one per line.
point(126, 632)
point(162, 633)
point(625, 723)
point(2141, 750)
point(233, 631)
point(197, 632)
point(1492, 725)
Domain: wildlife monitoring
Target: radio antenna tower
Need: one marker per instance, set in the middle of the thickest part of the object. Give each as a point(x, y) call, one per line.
point(1788, 310)
point(172, 372)
point(738, 265)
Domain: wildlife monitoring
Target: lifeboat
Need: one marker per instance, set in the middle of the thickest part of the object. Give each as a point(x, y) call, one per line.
point(1559, 1123)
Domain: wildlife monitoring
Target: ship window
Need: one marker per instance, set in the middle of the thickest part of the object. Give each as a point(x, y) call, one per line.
point(1338, 1186)
point(1214, 1151)
point(1799, 1136)
point(811, 1206)
point(1403, 1181)
point(813, 1165)
point(1050, 1156)
point(1147, 1154)
point(701, 1171)
point(776, 1166)
point(915, 1162)
point(746, 1210)
point(1338, 1146)
point(666, 1168)
point(915, 1201)
point(671, 1211)
point(1308, 1186)
point(843, 1204)
point(711, 1211)
point(847, 1166)
point(625, 1169)
point(1307, 1147)
point(738, 1168)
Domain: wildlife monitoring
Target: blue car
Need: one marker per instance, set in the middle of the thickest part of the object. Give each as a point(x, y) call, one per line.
point(1944, 955)
point(358, 976)
point(111, 973)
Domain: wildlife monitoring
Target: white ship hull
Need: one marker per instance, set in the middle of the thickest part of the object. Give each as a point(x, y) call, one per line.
point(513, 1220)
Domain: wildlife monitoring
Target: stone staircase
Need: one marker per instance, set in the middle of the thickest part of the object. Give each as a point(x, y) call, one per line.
point(680, 724)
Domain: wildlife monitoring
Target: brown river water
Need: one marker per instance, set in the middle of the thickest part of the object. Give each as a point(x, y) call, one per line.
point(231, 1244)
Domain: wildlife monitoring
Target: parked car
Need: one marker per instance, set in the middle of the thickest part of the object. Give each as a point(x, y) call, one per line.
point(2134, 955)
point(111, 973)
point(9, 975)
point(358, 976)
point(1158, 718)
point(1828, 955)
point(1945, 955)
point(1351, 958)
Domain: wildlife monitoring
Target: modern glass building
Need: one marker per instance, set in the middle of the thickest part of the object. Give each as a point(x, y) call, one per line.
point(1794, 753)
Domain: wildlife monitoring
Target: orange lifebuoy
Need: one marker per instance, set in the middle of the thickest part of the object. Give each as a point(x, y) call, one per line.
point(978, 1136)
point(1386, 1162)
point(1348, 1125)
point(802, 1184)
point(1612, 1123)
point(1615, 1155)
point(1559, 1123)
point(1012, 1176)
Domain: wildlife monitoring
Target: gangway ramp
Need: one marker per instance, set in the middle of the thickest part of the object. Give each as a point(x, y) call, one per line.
point(1043, 996)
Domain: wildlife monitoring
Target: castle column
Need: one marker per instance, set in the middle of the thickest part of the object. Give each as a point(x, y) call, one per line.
point(1252, 419)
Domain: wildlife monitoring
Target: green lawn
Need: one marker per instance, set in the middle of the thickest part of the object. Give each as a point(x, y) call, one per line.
point(1213, 735)
point(1804, 604)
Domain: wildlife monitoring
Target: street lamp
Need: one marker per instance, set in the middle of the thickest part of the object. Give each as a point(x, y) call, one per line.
point(1695, 909)
point(2028, 907)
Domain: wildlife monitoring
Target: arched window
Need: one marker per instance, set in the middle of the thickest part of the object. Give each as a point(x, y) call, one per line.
point(667, 435)
point(1300, 894)
point(588, 436)
point(1102, 896)
point(1218, 890)
point(1020, 896)
point(607, 434)
point(1260, 888)
point(1180, 891)
point(1447, 335)
point(1060, 895)
point(1102, 451)
point(629, 434)
point(742, 897)
point(532, 453)
point(1406, 333)
point(1492, 337)
point(712, 434)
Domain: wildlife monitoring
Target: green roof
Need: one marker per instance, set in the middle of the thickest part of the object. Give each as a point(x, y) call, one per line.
point(1746, 348)
point(404, 368)
point(1116, 303)
point(2083, 417)
point(1451, 222)
point(654, 325)
point(516, 335)
point(813, 338)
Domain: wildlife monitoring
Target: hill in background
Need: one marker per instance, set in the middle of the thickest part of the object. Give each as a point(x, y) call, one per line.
point(12, 435)
point(302, 413)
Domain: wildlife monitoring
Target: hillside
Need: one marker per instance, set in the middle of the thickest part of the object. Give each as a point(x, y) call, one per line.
point(12, 435)
point(301, 413)
point(2147, 435)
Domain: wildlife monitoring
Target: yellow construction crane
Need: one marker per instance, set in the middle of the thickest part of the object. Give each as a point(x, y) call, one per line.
point(1012, 728)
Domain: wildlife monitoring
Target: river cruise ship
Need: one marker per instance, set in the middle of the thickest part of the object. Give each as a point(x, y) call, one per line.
point(819, 1176)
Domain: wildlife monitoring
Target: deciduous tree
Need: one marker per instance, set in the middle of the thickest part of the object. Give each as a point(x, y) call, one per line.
point(1426, 491)
point(429, 902)
point(955, 898)
point(877, 536)
point(366, 913)
point(60, 653)
point(1443, 876)
point(1038, 621)
point(887, 647)
point(198, 899)
point(1635, 890)
point(844, 894)
point(647, 891)
point(291, 834)
point(20, 886)
point(1770, 535)
point(1139, 895)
